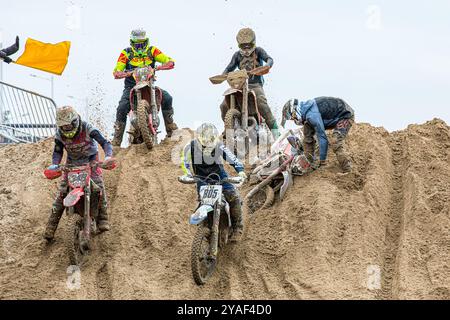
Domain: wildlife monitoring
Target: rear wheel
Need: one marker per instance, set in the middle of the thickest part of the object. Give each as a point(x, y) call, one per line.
point(74, 249)
point(263, 199)
point(202, 266)
point(142, 119)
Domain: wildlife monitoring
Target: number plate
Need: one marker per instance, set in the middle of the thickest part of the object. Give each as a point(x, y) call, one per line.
point(210, 194)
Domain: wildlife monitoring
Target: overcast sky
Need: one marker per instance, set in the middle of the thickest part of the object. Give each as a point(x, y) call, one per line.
point(390, 60)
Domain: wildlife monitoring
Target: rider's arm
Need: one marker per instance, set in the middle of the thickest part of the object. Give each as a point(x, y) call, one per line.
point(314, 119)
point(106, 145)
point(121, 64)
point(234, 63)
point(265, 57)
point(229, 157)
point(186, 160)
point(58, 152)
point(160, 57)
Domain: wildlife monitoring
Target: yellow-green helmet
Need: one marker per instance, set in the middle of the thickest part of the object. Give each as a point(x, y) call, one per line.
point(68, 121)
point(139, 41)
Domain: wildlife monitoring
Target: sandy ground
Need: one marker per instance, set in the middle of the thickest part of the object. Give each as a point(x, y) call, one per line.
point(381, 232)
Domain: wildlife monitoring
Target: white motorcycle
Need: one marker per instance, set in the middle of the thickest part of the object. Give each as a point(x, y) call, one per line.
point(213, 219)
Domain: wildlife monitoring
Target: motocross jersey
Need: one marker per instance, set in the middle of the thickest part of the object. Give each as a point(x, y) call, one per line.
point(248, 63)
point(128, 61)
point(204, 165)
point(82, 148)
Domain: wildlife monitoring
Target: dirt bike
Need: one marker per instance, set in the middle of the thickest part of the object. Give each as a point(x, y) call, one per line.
point(213, 219)
point(81, 205)
point(275, 174)
point(145, 102)
point(243, 116)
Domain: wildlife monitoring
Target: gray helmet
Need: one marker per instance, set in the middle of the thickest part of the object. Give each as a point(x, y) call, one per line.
point(246, 39)
point(68, 121)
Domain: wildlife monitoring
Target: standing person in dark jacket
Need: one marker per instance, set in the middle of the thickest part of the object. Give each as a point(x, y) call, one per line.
point(4, 53)
point(318, 115)
point(247, 58)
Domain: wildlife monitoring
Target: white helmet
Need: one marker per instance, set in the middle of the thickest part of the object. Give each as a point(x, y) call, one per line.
point(207, 136)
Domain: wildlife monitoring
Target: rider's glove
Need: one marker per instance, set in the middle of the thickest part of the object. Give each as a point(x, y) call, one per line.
point(7, 59)
point(53, 167)
point(120, 74)
point(317, 164)
point(109, 163)
point(243, 175)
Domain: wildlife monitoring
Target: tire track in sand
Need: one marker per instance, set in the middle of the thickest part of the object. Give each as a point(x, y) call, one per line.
point(390, 272)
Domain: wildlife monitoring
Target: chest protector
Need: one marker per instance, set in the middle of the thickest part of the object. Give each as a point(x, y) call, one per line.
point(249, 63)
point(135, 62)
point(82, 147)
point(204, 165)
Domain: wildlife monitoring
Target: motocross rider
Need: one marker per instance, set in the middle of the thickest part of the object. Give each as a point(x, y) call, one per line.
point(247, 58)
point(202, 157)
point(316, 116)
point(79, 139)
point(140, 54)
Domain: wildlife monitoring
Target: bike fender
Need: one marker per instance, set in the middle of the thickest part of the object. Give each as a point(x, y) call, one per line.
point(231, 91)
point(141, 85)
point(288, 181)
point(200, 214)
point(73, 197)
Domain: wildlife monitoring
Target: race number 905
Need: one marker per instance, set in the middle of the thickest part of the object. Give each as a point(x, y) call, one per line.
point(246, 309)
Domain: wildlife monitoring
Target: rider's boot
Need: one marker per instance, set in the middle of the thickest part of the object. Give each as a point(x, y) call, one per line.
point(53, 222)
point(169, 123)
point(119, 129)
point(103, 222)
point(236, 216)
point(337, 143)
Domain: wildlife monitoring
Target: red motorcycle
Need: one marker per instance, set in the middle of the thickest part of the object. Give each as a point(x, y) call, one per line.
point(145, 102)
point(82, 205)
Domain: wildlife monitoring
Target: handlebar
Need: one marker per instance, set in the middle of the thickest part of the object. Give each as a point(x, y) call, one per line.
point(128, 73)
point(93, 165)
point(258, 71)
point(195, 179)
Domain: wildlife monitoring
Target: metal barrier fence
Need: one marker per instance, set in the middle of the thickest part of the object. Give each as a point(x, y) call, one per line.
point(25, 116)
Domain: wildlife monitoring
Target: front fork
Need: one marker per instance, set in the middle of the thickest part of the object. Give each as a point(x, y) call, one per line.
point(214, 240)
point(87, 215)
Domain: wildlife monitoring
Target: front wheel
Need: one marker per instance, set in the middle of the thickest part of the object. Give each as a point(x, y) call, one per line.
point(74, 249)
point(144, 124)
point(202, 264)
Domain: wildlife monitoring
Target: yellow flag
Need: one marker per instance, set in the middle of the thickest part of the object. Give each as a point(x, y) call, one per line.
point(45, 56)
